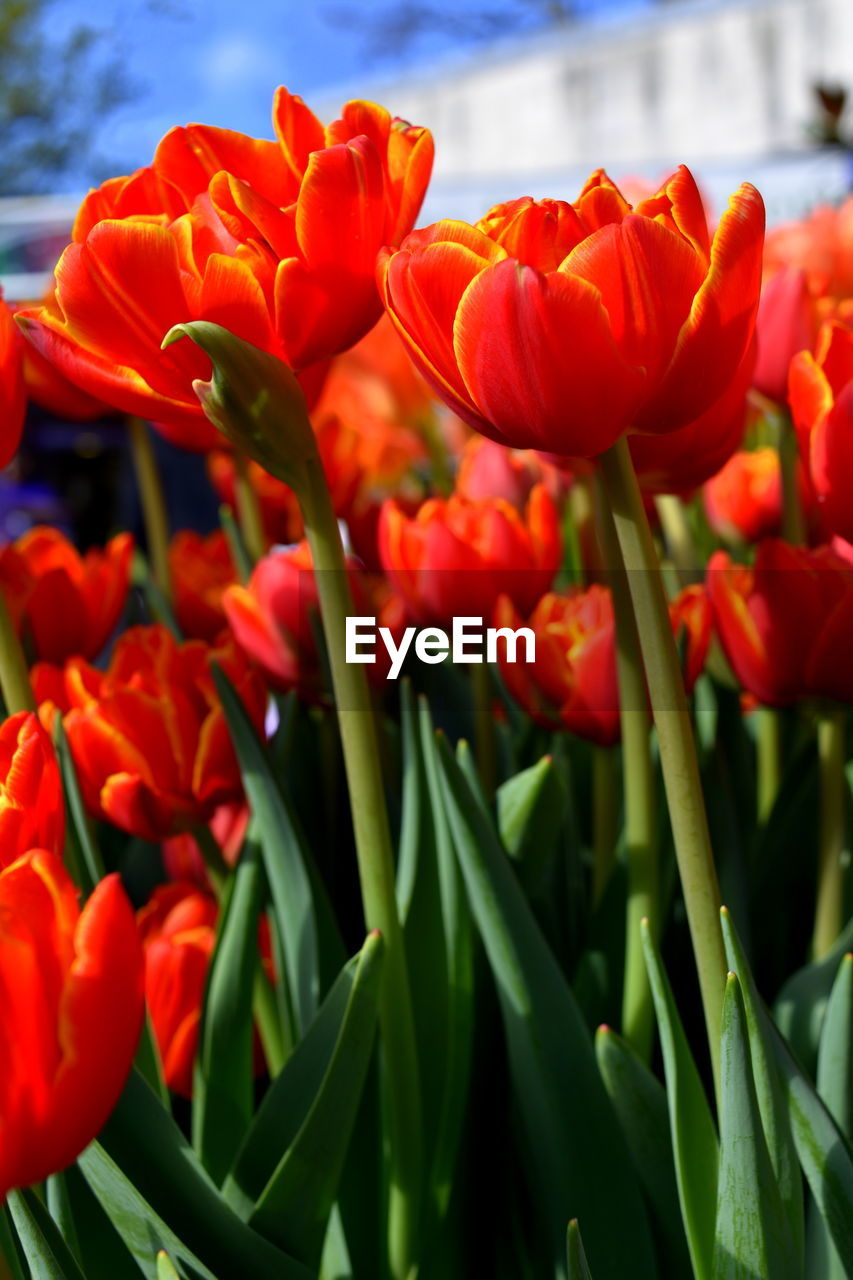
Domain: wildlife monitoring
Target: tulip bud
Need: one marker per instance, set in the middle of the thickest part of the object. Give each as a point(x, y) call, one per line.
point(253, 399)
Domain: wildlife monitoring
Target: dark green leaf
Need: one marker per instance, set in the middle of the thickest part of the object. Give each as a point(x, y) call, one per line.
point(47, 1254)
point(530, 813)
point(835, 1086)
point(801, 1004)
point(577, 1266)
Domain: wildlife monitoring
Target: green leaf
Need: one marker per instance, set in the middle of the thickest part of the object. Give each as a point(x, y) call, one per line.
point(79, 830)
point(166, 1269)
point(59, 1208)
point(48, 1256)
point(575, 1145)
point(100, 1249)
point(416, 828)
point(834, 1077)
point(753, 1238)
point(10, 1248)
point(577, 1266)
point(293, 1209)
point(530, 814)
point(694, 1138)
point(156, 1193)
point(284, 862)
point(223, 1089)
point(822, 1149)
point(639, 1100)
point(800, 1006)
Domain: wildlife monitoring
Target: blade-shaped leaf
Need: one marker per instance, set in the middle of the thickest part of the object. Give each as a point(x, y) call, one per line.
point(835, 1086)
point(47, 1254)
point(824, 1154)
point(800, 1006)
point(284, 861)
point(223, 1092)
point(694, 1139)
point(142, 1165)
point(530, 811)
point(576, 1263)
point(293, 1209)
point(753, 1238)
point(575, 1145)
point(639, 1100)
point(78, 826)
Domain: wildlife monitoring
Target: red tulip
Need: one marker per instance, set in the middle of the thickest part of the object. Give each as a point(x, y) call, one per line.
point(65, 604)
point(201, 569)
point(786, 323)
point(692, 621)
point(456, 556)
point(148, 735)
point(787, 624)
point(563, 326)
point(277, 241)
point(178, 929)
point(13, 395)
point(821, 395)
point(489, 470)
point(32, 808)
point(743, 501)
point(184, 860)
point(71, 992)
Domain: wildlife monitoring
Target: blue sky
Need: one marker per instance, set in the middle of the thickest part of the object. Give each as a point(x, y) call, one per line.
point(218, 61)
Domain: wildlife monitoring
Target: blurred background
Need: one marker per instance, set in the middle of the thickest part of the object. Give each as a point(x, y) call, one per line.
point(524, 97)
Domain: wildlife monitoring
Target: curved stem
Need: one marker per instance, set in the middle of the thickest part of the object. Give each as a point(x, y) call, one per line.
point(14, 674)
point(829, 912)
point(675, 736)
point(768, 748)
point(153, 503)
point(248, 508)
point(679, 538)
point(376, 869)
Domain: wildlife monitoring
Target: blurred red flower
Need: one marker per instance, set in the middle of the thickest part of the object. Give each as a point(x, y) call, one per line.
point(32, 807)
point(743, 501)
point(821, 396)
point(71, 990)
point(13, 395)
point(201, 568)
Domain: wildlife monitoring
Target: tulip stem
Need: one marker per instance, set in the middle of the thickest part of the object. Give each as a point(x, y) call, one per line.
point(375, 865)
point(678, 537)
point(215, 865)
point(484, 727)
point(153, 503)
point(248, 508)
point(768, 748)
point(675, 736)
point(829, 911)
point(14, 675)
point(793, 521)
point(604, 816)
point(638, 783)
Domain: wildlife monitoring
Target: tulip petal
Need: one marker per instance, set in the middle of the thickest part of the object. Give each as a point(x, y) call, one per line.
point(539, 361)
point(678, 205)
point(298, 130)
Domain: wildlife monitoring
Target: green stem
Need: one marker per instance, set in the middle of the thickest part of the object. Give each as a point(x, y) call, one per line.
point(484, 727)
point(604, 814)
point(638, 782)
point(376, 869)
point(270, 1027)
point(675, 736)
point(793, 520)
point(153, 503)
point(14, 675)
point(768, 748)
point(829, 912)
point(679, 538)
point(248, 508)
point(215, 865)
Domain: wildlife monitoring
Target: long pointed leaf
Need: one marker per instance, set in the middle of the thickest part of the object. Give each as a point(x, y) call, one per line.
point(824, 1154)
point(294, 1208)
point(694, 1139)
point(753, 1237)
point(575, 1145)
point(47, 1253)
point(835, 1086)
point(576, 1263)
point(800, 1006)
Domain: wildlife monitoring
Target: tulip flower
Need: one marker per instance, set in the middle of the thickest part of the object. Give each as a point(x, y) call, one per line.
point(786, 624)
point(32, 807)
point(277, 240)
point(178, 930)
point(456, 556)
point(274, 617)
point(13, 395)
point(184, 860)
point(148, 735)
point(786, 323)
point(65, 604)
point(71, 988)
point(200, 569)
point(821, 396)
point(743, 501)
point(563, 326)
point(820, 245)
point(488, 470)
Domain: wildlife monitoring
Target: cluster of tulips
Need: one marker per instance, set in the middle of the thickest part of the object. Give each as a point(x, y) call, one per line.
point(295, 982)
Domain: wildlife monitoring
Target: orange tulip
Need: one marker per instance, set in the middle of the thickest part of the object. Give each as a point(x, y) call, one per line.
point(65, 604)
point(148, 735)
point(456, 556)
point(13, 395)
point(821, 396)
point(563, 326)
point(178, 929)
point(71, 993)
point(275, 240)
point(787, 623)
point(201, 569)
point(743, 501)
point(32, 808)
